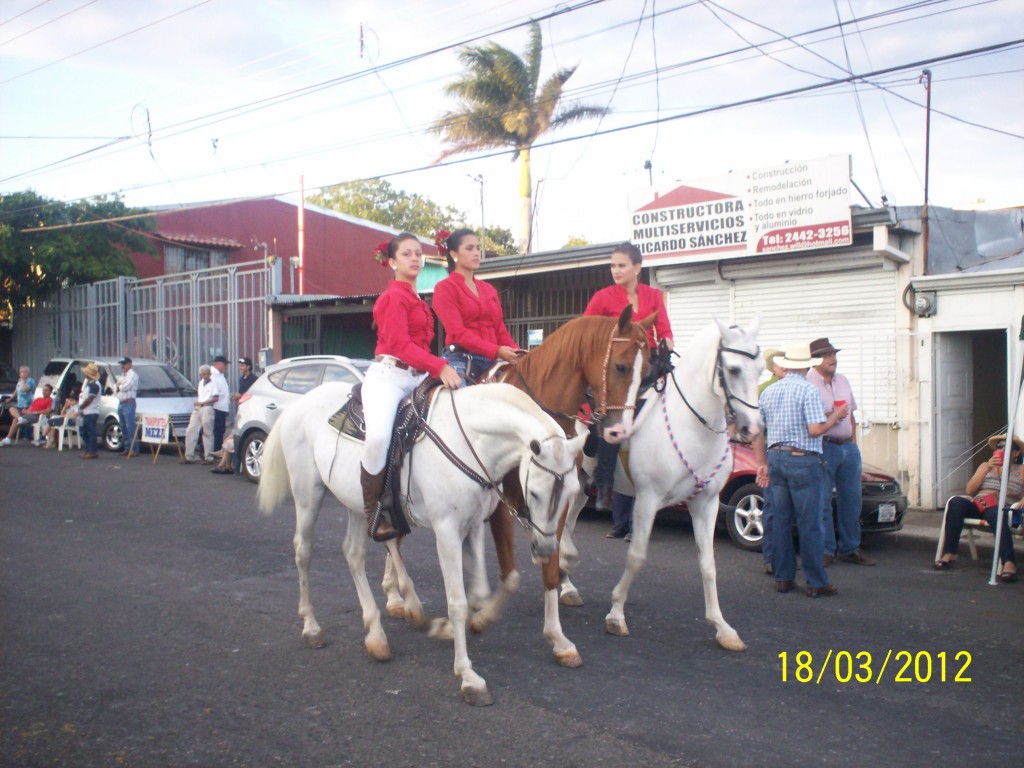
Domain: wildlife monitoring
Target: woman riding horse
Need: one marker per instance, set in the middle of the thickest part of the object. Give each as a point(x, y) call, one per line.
point(405, 328)
point(626, 263)
point(474, 329)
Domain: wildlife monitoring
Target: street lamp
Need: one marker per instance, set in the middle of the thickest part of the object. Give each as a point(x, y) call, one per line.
point(479, 179)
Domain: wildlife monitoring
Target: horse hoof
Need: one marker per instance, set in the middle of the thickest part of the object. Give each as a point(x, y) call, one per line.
point(477, 697)
point(314, 639)
point(378, 651)
point(732, 643)
point(396, 610)
point(479, 623)
point(571, 599)
point(440, 629)
point(569, 659)
point(616, 627)
point(415, 618)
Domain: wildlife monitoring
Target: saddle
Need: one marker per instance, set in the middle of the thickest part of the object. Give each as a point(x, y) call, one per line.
point(409, 428)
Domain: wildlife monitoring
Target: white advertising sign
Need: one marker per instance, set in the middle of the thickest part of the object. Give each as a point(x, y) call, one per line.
point(155, 429)
point(792, 207)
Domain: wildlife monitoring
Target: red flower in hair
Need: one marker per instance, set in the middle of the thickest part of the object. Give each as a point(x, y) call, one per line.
point(381, 254)
point(441, 241)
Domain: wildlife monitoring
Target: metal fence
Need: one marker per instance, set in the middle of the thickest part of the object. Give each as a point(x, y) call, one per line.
point(182, 319)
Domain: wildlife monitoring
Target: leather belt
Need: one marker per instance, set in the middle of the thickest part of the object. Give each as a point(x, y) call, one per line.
point(837, 440)
point(792, 450)
point(394, 361)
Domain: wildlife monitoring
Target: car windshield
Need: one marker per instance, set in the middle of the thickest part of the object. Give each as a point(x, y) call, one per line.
point(55, 367)
point(161, 380)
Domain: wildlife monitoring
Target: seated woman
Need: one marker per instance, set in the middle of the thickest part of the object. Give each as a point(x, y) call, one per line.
point(68, 414)
point(984, 487)
point(474, 328)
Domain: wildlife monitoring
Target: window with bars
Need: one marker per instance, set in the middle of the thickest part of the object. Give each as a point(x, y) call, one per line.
point(180, 259)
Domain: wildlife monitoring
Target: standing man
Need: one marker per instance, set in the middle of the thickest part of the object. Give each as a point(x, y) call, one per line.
point(777, 372)
point(89, 410)
point(127, 390)
point(222, 407)
point(202, 419)
point(842, 459)
point(246, 378)
point(791, 470)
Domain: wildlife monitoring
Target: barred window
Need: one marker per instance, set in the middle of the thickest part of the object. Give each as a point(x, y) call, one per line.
point(180, 259)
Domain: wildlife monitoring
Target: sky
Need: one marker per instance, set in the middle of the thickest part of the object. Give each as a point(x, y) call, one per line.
point(174, 102)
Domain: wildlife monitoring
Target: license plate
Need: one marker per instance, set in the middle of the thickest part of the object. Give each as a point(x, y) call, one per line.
point(886, 513)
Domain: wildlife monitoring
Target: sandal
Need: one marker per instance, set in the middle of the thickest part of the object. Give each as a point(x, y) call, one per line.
point(943, 565)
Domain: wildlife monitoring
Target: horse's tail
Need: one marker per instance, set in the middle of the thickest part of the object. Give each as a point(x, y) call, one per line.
point(274, 479)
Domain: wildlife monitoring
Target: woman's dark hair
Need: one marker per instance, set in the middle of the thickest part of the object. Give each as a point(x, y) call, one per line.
point(453, 242)
point(393, 244)
point(630, 250)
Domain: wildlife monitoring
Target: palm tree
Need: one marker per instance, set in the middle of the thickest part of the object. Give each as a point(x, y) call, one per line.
point(501, 105)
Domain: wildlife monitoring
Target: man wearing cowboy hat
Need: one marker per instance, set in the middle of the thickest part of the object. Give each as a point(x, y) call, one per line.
point(791, 470)
point(842, 460)
point(89, 410)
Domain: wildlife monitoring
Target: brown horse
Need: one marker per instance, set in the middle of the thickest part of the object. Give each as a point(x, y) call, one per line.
point(608, 355)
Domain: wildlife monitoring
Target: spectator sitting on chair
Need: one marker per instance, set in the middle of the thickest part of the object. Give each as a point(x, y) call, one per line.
point(68, 415)
point(40, 407)
point(23, 390)
point(984, 487)
point(224, 466)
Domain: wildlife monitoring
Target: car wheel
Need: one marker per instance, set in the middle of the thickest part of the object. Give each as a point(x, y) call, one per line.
point(112, 438)
point(252, 455)
point(744, 523)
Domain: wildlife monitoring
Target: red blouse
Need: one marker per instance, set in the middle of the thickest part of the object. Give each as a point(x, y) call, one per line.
point(473, 322)
point(610, 302)
point(405, 328)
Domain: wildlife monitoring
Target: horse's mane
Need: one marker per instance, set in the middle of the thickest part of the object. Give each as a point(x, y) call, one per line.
point(567, 342)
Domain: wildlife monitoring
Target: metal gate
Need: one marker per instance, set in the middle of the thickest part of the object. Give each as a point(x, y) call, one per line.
point(182, 319)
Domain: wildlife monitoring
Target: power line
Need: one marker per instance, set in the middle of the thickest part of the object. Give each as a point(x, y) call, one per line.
point(47, 23)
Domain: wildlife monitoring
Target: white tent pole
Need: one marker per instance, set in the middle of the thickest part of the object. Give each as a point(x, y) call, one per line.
point(1010, 433)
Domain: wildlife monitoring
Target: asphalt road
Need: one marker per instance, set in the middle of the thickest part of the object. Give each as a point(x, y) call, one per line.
point(149, 620)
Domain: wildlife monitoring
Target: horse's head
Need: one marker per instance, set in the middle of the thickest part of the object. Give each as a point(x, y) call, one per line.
point(547, 475)
point(615, 375)
point(738, 370)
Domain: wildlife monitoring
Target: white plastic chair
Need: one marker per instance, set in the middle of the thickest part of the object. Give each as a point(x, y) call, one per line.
point(71, 432)
point(972, 524)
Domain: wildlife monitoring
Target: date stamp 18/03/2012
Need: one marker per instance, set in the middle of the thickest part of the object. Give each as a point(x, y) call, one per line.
point(902, 666)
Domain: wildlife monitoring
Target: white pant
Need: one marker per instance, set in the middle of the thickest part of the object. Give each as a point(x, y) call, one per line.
point(201, 419)
point(383, 389)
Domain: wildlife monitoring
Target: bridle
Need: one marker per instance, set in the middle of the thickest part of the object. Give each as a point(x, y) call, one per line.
point(602, 412)
point(521, 514)
point(719, 371)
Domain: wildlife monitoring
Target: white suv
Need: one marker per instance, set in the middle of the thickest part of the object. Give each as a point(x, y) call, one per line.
point(283, 383)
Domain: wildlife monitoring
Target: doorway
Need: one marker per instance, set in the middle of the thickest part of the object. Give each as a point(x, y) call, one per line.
point(971, 393)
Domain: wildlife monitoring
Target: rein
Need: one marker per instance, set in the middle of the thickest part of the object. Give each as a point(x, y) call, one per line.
point(522, 514)
point(602, 412)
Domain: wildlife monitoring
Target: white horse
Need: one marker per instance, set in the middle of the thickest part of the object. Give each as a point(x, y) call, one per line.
point(679, 451)
point(492, 430)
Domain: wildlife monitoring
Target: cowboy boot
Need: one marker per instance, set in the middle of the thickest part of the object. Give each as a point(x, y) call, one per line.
point(378, 526)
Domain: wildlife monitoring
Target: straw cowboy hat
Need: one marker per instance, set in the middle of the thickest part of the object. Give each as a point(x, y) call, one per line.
point(997, 439)
point(769, 358)
point(91, 371)
point(796, 357)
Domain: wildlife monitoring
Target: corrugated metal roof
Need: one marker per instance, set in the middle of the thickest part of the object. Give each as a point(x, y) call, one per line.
point(217, 242)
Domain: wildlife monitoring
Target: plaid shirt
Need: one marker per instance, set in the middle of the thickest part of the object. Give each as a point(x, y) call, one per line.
point(787, 407)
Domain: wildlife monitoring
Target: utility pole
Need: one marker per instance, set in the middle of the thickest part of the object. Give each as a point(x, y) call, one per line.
point(479, 179)
point(926, 77)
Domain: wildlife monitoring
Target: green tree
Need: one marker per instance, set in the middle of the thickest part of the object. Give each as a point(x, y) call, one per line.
point(378, 201)
point(500, 240)
point(576, 241)
point(503, 104)
point(35, 261)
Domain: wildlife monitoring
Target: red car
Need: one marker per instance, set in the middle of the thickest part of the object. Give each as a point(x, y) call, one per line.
point(882, 507)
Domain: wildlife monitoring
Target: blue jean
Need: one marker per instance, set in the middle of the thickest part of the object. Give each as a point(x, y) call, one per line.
point(622, 512)
point(220, 421)
point(766, 528)
point(87, 431)
point(796, 486)
point(467, 365)
point(961, 508)
point(842, 472)
point(607, 457)
point(126, 416)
